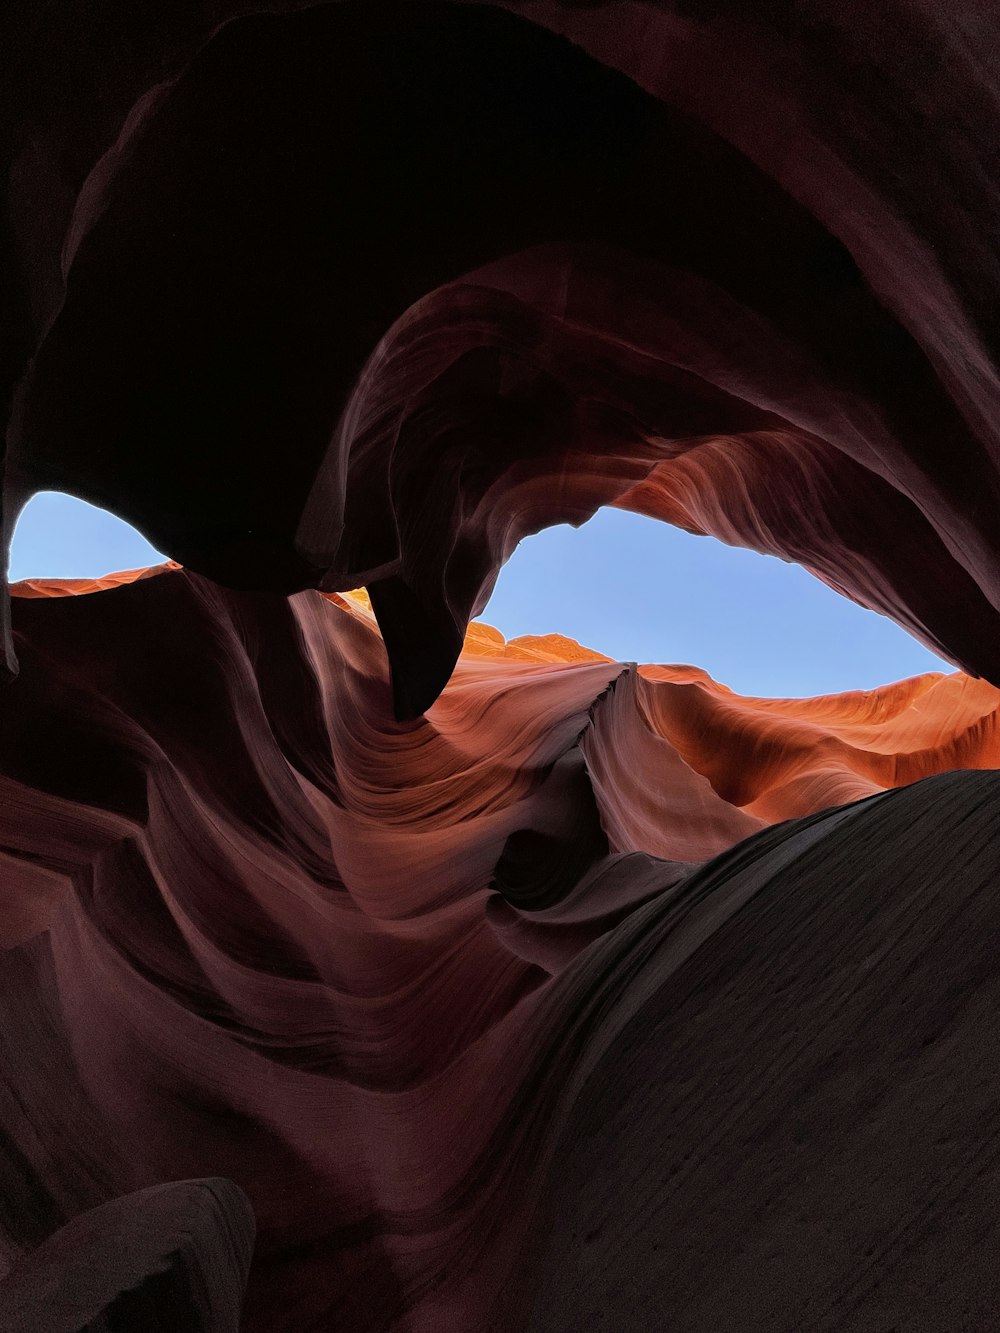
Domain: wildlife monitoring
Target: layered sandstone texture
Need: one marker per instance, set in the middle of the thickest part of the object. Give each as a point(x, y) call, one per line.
point(589, 968)
point(363, 970)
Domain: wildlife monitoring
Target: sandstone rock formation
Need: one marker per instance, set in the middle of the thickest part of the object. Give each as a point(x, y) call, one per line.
point(515, 987)
point(383, 974)
point(361, 293)
point(169, 1257)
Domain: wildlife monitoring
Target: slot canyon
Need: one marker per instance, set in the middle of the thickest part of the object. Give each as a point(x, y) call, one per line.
point(362, 968)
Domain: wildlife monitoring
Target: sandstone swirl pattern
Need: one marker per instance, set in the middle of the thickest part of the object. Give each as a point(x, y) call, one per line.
point(507, 986)
point(484, 1009)
point(360, 293)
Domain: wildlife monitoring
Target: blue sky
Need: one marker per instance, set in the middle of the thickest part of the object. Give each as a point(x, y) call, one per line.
point(629, 586)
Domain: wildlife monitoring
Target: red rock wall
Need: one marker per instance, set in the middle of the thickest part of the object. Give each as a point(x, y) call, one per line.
point(515, 988)
point(372, 327)
point(257, 928)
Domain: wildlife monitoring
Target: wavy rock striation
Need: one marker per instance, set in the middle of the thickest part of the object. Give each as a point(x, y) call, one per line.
point(169, 1257)
point(514, 987)
point(362, 293)
point(487, 1010)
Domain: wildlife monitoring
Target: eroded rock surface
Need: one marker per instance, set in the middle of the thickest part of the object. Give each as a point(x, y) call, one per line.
point(515, 987)
point(362, 293)
point(384, 975)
